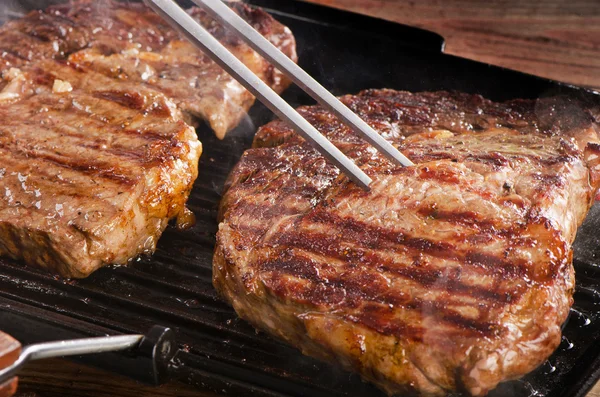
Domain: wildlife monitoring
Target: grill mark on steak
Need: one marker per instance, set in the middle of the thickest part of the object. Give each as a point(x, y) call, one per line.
point(298, 265)
point(153, 148)
point(376, 320)
point(95, 169)
point(14, 54)
point(157, 152)
point(149, 158)
point(358, 294)
point(50, 27)
point(132, 100)
point(331, 247)
point(466, 218)
point(374, 237)
point(47, 175)
point(135, 101)
point(436, 151)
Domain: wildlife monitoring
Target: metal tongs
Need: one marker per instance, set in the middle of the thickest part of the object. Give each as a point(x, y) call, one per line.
point(201, 38)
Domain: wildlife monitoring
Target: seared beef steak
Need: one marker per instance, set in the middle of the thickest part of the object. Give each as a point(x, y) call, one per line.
point(90, 175)
point(96, 157)
point(454, 274)
point(129, 42)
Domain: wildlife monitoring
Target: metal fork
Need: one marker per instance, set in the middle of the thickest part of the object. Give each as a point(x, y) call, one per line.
point(201, 38)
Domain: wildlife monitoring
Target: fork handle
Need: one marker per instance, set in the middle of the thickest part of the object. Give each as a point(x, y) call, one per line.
point(10, 349)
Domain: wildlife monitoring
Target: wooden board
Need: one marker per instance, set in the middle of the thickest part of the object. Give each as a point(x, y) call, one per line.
point(557, 39)
point(9, 353)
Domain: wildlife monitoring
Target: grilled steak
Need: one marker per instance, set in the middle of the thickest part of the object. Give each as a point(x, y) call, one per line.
point(129, 42)
point(97, 155)
point(90, 175)
point(454, 274)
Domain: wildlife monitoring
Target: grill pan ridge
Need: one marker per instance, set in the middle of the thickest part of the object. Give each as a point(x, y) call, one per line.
point(173, 288)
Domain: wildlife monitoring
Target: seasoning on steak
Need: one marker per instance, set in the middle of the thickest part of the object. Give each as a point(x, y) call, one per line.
point(454, 274)
point(129, 42)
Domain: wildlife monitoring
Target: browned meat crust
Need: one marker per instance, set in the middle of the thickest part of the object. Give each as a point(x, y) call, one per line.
point(96, 156)
point(89, 176)
point(454, 274)
point(129, 42)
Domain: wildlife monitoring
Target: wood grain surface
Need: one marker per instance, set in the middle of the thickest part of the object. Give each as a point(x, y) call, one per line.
point(558, 39)
point(61, 378)
point(9, 353)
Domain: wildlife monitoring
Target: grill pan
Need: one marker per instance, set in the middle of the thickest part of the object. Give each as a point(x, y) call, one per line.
point(220, 353)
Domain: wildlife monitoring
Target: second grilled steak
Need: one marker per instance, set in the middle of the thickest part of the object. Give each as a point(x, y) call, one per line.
point(454, 274)
point(129, 42)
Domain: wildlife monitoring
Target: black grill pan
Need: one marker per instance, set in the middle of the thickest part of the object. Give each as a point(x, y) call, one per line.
point(219, 352)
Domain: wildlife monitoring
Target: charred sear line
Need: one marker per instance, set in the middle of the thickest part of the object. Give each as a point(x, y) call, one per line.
point(152, 156)
point(331, 247)
point(467, 218)
point(100, 170)
point(4, 50)
point(372, 305)
point(396, 327)
point(130, 100)
point(256, 211)
point(376, 238)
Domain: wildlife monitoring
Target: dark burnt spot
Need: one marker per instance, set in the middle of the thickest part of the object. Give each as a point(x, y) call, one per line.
point(593, 147)
point(550, 182)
